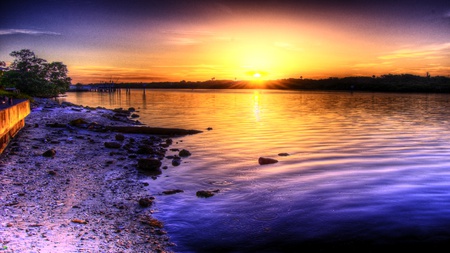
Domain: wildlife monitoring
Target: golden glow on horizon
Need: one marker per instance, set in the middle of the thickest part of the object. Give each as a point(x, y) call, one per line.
point(256, 50)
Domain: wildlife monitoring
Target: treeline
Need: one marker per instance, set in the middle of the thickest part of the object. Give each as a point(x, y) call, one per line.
point(384, 83)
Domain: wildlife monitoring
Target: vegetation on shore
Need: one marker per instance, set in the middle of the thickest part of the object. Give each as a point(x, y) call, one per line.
point(383, 83)
point(35, 76)
point(15, 95)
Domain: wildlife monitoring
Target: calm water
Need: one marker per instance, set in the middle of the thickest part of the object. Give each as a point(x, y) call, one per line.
point(362, 167)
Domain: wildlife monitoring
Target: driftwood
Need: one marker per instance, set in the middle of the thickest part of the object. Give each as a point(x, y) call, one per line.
point(152, 130)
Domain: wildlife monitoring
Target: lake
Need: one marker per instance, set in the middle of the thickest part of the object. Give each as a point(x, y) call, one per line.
point(363, 168)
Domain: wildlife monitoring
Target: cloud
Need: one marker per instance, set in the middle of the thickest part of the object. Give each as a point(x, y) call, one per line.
point(424, 51)
point(370, 65)
point(188, 32)
point(116, 74)
point(187, 37)
point(287, 46)
point(200, 66)
point(184, 41)
point(365, 65)
point(26, 32)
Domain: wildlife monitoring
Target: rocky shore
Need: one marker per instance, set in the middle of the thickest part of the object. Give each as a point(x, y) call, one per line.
point(72, 182)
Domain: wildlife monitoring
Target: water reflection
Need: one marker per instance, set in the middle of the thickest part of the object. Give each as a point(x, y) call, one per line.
point(361, 167)
point(256, 108)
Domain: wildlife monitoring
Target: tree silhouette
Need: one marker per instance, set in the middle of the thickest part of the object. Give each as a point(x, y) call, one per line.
point(35, 76)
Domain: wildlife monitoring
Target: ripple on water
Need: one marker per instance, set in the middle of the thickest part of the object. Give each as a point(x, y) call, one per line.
point(361, 165)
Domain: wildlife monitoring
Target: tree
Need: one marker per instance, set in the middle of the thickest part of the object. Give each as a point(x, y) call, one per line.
point(35, 76)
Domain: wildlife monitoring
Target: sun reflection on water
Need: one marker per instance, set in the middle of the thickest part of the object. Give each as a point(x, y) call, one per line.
point(256, 105)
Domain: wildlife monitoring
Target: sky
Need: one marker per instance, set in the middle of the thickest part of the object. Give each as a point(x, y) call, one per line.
point(195, 40)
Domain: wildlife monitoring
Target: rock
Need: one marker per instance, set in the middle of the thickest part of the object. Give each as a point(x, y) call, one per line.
point(145, 149)
point(151, 222)
point(206, 194)
point(78, 122)
point(209, 128)
point(134, 115)
point(55, 125)
point(170, 192)
point(283, 154)
point(150, 165)
point(112, 144)
point(131, 109)
point(49, 153)
point(121, 111)
point(264, 160)
point(176, 162)
point(79, 221)
point(184, 153)
point(120, 137)
point(146, 202)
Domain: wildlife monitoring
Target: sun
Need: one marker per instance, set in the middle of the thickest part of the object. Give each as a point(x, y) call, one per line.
point(257, 75)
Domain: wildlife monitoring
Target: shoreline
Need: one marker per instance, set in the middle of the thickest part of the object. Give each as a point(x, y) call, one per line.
point(65, 190)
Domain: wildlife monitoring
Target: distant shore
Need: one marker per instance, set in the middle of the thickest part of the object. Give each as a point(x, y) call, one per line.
point(65, 190)
point(383, 83)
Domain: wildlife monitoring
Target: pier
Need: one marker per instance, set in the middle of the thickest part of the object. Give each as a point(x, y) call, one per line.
point(104, 87)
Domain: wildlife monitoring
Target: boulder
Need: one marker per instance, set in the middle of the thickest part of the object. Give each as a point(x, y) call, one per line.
point(49, 153)
point(112, 144)
point(120, 137)
point(146, 202)
point(184, 153)
point(206, 194)
point(170, 192)
point(150, 165)
point(176, 162)
point(265, 160)
point(145, 149)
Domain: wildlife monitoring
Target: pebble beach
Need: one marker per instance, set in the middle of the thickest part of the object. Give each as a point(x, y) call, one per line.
point(63, 189)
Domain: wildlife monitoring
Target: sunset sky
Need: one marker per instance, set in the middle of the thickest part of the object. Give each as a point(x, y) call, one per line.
point(145, 41)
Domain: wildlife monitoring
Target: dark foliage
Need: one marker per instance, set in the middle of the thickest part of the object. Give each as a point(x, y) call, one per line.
point(35, 76)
